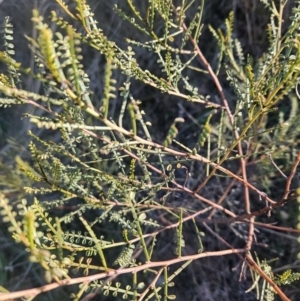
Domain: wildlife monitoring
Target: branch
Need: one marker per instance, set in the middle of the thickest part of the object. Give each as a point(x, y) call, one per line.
point(36, 291)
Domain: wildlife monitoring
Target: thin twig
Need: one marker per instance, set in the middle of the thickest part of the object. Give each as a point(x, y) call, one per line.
point(289, 180)
point(275, 165)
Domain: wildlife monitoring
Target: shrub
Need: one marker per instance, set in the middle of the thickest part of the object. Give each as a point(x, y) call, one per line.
point(131, 197)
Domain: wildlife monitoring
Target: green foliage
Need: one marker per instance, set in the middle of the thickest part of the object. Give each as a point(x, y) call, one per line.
point(267, 292)
point(126, 205)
